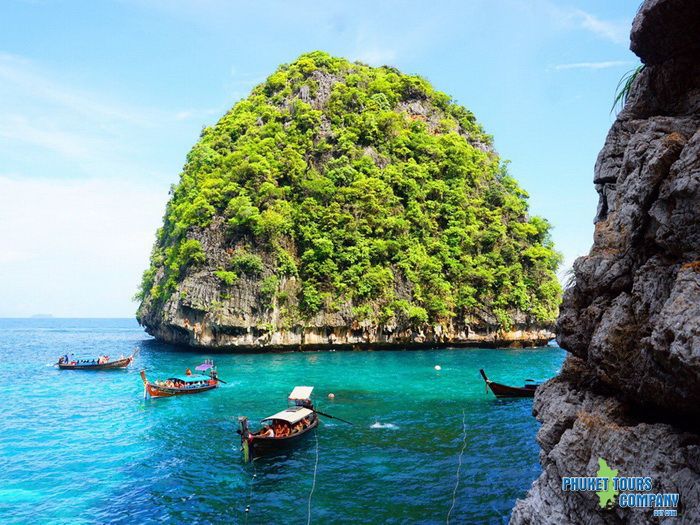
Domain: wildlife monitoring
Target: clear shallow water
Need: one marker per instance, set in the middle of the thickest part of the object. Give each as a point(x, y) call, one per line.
point(85, 447)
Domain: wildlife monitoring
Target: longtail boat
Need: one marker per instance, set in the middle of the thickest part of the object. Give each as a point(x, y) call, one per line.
point(187, 383)
point(281, 430)
point(102, 362)
point(501, 390)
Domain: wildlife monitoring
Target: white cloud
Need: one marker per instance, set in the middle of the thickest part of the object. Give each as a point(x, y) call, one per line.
point(12, 256)
point(24, 75)
point(593, 65)
point(75, 248)
point(19, 128)
point(84, 190)
point(41, 115)
point(616, 31)
point(373, 44)
point(376, 56)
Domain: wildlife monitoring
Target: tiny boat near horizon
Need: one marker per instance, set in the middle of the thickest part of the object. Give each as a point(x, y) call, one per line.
point(500, 390)
point(188, 383)
point(285, 428)
point(101, 362)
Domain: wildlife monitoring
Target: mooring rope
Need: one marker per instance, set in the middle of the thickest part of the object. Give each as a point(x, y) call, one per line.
point(250, 493)
point(313, 483)
point(459, 465)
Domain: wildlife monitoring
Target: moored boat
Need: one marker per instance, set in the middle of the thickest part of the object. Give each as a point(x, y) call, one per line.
point(281, 430)
point(187, 383)
point(501, 390)
point(101, 362)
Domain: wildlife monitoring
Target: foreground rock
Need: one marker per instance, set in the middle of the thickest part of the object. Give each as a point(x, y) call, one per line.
point(630, 390)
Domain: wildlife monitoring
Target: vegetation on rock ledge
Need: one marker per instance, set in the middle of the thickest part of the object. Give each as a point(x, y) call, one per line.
point(372, 189)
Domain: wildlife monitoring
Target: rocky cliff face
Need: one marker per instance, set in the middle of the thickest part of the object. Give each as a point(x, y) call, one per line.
point(630, 389)
point(348, 206)
point(203, 313)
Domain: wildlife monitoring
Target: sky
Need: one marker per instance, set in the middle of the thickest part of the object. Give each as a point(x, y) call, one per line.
point(101, 101)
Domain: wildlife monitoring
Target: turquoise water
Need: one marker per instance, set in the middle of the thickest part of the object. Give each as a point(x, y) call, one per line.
point(85, 447)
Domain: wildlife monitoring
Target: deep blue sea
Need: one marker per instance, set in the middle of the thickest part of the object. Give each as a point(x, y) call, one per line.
point(85, 447)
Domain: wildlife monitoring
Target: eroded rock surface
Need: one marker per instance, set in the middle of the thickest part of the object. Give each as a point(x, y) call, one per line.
point(630, 390)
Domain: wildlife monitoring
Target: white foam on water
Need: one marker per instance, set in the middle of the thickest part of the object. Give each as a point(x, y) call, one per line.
point(377, 424)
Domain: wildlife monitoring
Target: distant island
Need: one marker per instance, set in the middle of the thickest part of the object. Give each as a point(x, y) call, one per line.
point(349, 206)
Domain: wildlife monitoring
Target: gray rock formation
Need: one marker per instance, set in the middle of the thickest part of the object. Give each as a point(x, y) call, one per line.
point(630, 390)
point(201, 314)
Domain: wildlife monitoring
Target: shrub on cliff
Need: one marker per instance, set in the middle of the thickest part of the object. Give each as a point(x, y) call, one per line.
point(371, 188)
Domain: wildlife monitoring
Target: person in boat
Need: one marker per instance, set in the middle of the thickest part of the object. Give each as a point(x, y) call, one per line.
point(267, 432)
point(282, 429)
point(188, 372)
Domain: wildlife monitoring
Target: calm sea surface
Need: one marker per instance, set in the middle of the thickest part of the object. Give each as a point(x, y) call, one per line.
point(85, 447)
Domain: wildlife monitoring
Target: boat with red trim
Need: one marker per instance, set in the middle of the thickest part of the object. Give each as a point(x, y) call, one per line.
point(101, 362)
point(187, 383)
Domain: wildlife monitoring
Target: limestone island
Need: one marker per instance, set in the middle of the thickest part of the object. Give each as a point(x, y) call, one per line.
point(347, 206)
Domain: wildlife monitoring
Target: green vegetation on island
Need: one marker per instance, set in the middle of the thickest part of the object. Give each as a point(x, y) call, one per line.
point(369, 187)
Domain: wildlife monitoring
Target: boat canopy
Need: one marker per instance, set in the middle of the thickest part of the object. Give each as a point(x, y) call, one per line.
point(291, 415)
point(195, 378)
point(301, 393)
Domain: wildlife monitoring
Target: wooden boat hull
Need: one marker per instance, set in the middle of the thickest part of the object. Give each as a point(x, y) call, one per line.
point(112, 365)
point(500, 390)
point(260, 446)
point(156, 391)
point(255, 446)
